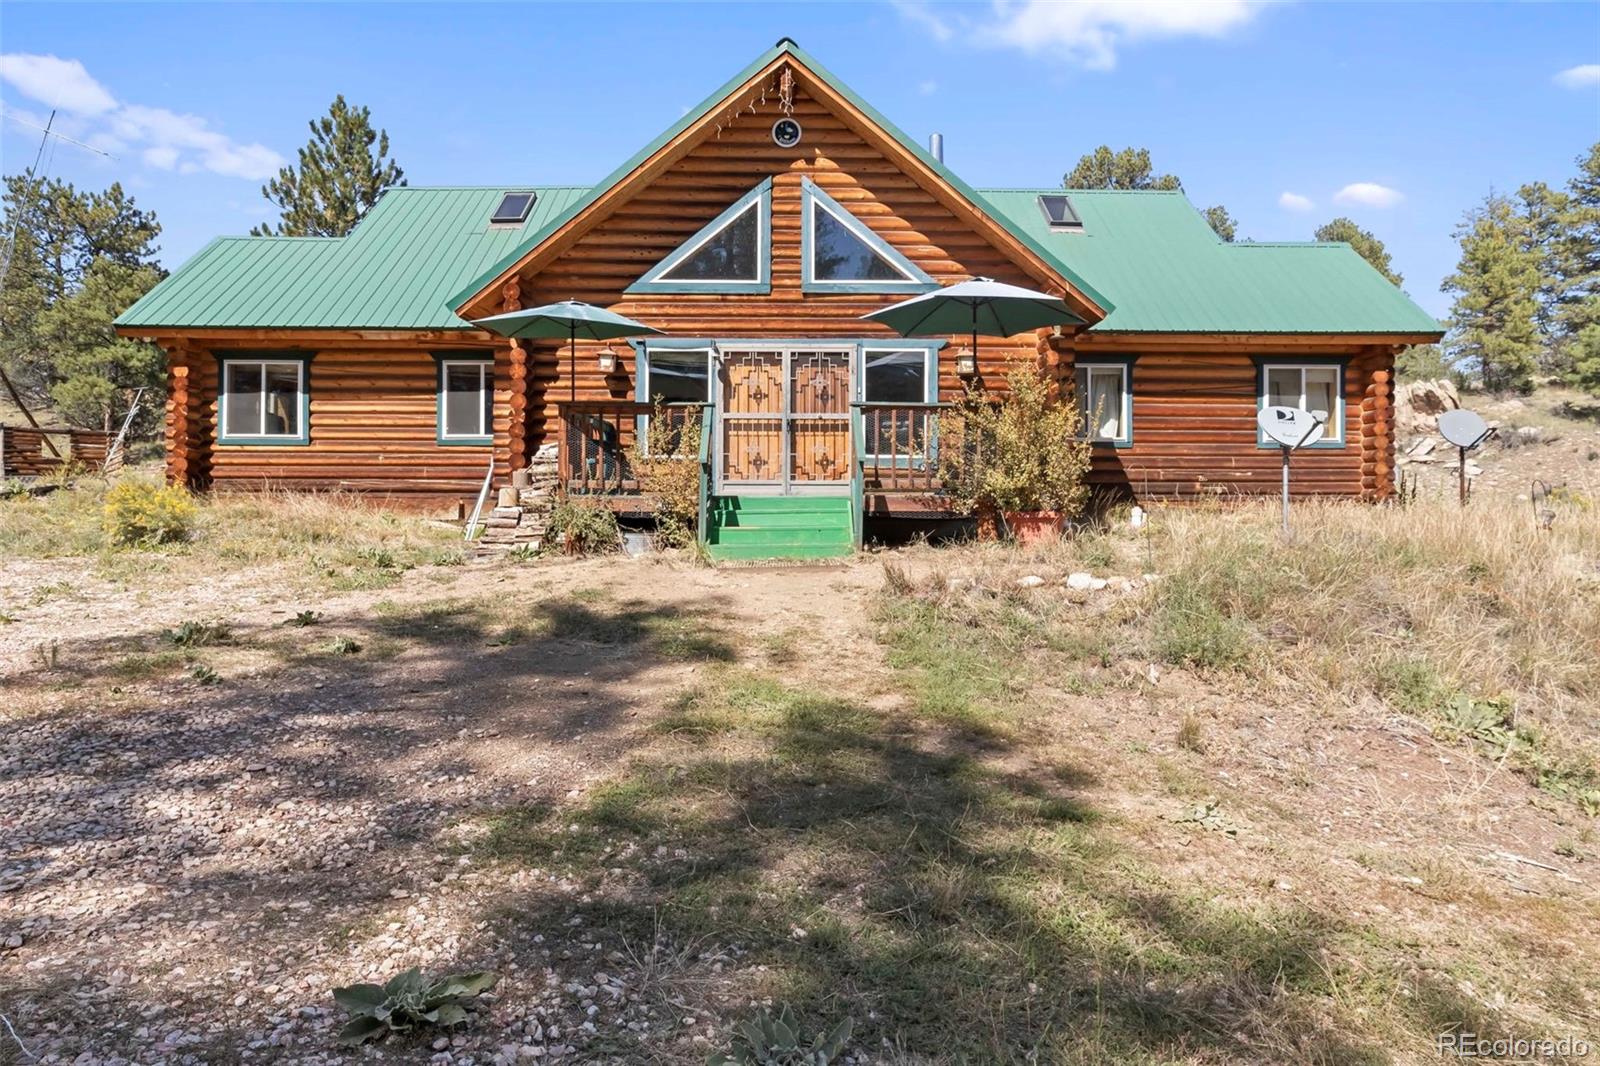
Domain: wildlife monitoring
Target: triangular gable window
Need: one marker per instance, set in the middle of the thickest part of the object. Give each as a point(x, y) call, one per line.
point(731, 253)
point(841, 254)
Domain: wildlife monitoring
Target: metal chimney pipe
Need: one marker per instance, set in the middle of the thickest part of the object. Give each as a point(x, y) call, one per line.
point(936, 146)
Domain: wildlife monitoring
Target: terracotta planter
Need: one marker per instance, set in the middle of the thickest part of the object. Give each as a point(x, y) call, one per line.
point(1034, 527)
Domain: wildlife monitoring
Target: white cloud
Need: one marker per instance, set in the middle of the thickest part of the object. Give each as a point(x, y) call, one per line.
point(1368, 194)
point(928, 87)
point(57, 83)
point(919, 12)
point(1579, 77)
point(166, 140)
point(1293, 201)
point(1087, 32)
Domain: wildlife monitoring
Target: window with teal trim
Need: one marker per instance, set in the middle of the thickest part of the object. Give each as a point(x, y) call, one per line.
point(730, 254)
point(263, 401)
point(841, 253)
point(1312, 387)
point(466, 401)
point(1104, 401)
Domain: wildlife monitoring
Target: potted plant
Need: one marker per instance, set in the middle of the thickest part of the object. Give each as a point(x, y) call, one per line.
point(1019, 454)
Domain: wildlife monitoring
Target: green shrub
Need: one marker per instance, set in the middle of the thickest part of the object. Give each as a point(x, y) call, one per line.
point(584, 528)
point(1020, 452)
point(667, 464)
point(146, 513)
point(1192, 628)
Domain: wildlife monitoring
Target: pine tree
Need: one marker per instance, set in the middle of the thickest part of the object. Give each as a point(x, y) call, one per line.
point(1126, 169)
point(1366, 245)
point(1545, 210)
point(1222, 224)
point(1130, 168)
point(1586, 353)
point(338, 179)
point(79, 260)
point(1492, 322)
point(1575, 253)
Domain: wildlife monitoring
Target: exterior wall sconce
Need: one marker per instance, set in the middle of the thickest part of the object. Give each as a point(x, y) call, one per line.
point(608, 360)
point(966, 363)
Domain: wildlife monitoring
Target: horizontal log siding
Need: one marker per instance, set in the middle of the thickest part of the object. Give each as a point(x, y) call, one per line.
point(610, 257)
point(1194, 425)
point(373, 429)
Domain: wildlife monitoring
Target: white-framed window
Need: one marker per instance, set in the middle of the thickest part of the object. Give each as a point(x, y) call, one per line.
point(1313, 387)
point(676, 375)
point(466, 401)
point(1105, 401)
point(264, 401)
point(897, 375)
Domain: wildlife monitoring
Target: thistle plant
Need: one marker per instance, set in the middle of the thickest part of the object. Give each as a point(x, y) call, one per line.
point(775, 1040)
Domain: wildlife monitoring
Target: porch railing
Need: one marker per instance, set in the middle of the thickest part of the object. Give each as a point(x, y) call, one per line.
point(596, 454)
point(897, 446)
point(708, 475)
point(598, 439)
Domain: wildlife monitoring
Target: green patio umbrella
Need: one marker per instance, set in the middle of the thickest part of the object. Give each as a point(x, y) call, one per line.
point(981, 305)
point(570, 319)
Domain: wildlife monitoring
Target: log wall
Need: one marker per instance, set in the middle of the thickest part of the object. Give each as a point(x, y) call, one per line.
point(1194, 420)
point(373, 404)
point(24, 453)
point(374, 424)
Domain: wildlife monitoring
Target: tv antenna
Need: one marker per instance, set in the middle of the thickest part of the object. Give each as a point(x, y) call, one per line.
point(1466, 430)
point(1291, 429)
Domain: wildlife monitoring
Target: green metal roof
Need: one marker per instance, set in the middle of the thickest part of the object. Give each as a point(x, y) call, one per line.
point(1164, 270)
point(394, 271)
point(1148, 257)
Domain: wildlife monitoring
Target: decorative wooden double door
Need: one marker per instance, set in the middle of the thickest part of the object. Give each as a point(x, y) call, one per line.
point(785, 419)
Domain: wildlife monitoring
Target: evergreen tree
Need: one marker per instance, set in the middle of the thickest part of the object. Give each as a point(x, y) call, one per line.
point(1545, 210)
point(1492, 322)
point(1574, 259)
point(1126, 169)
point(1586, 355)
point(339, 177)
point(78, 260)
point(1222, 224)
point(1130, 168)
point(1366, 245)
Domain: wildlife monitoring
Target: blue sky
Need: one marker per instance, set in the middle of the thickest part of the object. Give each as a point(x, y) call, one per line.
point(1398, 115)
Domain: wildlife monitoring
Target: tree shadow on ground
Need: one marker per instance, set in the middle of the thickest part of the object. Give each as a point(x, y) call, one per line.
point(174, 788)
point(868, 864)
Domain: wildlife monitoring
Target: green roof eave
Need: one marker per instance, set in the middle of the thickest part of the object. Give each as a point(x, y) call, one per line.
point(785, 46)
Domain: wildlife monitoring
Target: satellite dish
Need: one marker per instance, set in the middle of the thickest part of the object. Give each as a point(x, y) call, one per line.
point(1463, 428)
point(1290, 426)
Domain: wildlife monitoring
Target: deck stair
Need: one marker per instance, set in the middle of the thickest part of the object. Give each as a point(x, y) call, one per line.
point(779, 527)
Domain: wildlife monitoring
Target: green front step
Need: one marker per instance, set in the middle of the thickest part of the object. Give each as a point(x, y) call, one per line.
point(779, 527)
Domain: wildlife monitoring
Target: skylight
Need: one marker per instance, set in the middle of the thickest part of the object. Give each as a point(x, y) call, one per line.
point(1059, 212)
point(514, 207)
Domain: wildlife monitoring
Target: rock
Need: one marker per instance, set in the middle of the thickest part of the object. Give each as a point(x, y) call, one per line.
point(1097, 583)
point(1529, 434)
point(1119, 584)
point(1081, 581)
point(1418, 405)
point(1032, 581)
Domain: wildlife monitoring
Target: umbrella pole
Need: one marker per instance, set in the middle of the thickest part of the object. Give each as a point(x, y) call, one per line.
point(974, 337)
point(572, 363)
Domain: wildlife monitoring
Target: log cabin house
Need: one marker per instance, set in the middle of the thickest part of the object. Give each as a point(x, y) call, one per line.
point(755, 233)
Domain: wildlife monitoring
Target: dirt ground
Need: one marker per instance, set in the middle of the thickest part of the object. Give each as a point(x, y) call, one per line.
point(190, 865)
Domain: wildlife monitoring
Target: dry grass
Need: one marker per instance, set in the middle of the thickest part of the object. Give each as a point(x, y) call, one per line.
point(339, 540)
